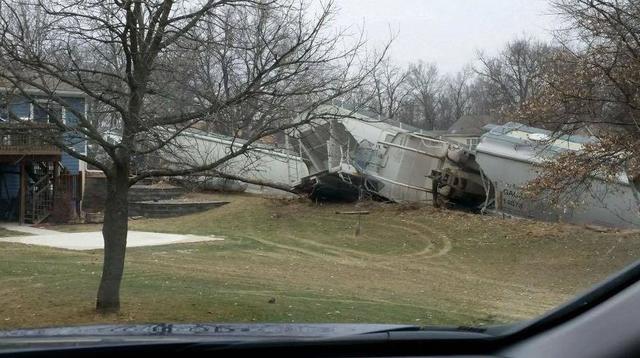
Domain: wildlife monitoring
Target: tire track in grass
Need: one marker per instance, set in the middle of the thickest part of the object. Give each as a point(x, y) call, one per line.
point(426, 252)
point(285, 294)
point(543, 299)
point(472, 269)
point(342, 255)
point(457, 278)
point(383, 261)
point(338, 251)
point(452, 287)
point(487, 306)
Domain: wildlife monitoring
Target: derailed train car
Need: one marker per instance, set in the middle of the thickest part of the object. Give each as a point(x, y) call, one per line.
point(459, 181)
point(334, 151)
point(193, 148)
point(356, 156)
point(415, 167)
point(403, 166)
point(508, 156)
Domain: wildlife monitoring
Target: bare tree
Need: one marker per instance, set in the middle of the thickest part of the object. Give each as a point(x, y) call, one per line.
point(155, 69)
point(389, 90)
point(454, 98)
point(424, 83)
point(458, 89)
point(592, 85)
point(484, 97)
point(514, 75)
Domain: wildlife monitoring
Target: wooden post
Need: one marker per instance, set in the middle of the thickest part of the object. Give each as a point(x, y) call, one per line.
point(79, 193)
point(23, 193)
point(56, 183)
point(56, 173)
point(358, 225)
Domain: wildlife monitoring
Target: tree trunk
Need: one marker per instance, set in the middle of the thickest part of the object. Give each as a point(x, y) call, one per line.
point(634, 183)
point(114, 232)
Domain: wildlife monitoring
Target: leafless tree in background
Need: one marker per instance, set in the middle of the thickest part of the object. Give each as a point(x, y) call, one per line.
point(593, 85)
point(454, 99)
point(498, 85)
point(389, 90)
point(154, 69)
point(515, 75)
point(459, 90)
point(424, 84)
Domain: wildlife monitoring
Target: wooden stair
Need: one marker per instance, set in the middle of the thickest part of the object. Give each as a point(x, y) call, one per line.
point(39, 200)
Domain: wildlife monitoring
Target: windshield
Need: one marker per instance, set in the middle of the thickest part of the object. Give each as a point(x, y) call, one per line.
point(423, 162)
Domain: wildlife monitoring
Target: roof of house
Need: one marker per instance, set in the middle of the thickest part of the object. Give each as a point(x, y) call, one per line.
point(50, 83)
point(435, 132)
point(473, 124)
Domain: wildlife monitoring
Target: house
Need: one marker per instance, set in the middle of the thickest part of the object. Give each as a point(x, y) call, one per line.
point(468, 129)
point(37, 178)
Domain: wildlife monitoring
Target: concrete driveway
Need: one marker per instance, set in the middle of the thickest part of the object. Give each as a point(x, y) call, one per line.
point(93, 240)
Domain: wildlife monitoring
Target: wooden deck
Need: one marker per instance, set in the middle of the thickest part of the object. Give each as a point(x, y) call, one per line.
point(17, 139)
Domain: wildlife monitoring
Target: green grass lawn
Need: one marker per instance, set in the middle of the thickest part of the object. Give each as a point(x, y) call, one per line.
point(421, 266)
point(6, 232)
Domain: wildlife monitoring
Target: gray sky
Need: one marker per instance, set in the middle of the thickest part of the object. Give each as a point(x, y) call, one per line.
point(447, 32)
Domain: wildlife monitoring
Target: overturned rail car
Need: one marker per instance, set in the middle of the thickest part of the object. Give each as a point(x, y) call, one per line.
point(414, 167)
point(459, 181)
point(193, 148)
point(350, 159)
point(508, 155)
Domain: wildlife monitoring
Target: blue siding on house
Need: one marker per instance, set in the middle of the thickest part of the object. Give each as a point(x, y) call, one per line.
point(72, 164)
point(21, 107)
point(12, 181)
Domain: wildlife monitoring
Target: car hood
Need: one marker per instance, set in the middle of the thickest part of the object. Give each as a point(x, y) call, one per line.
point(208, 331)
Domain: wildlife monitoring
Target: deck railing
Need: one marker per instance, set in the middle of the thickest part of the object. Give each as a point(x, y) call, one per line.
point(27, 139)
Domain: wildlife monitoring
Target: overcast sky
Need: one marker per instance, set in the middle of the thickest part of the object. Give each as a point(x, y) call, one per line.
point(447, 32)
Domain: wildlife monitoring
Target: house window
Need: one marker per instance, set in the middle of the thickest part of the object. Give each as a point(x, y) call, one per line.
point(4, 114)
point(472, 142)
point(46, 112)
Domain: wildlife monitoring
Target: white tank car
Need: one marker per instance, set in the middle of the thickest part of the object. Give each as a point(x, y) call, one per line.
point(262, 162)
